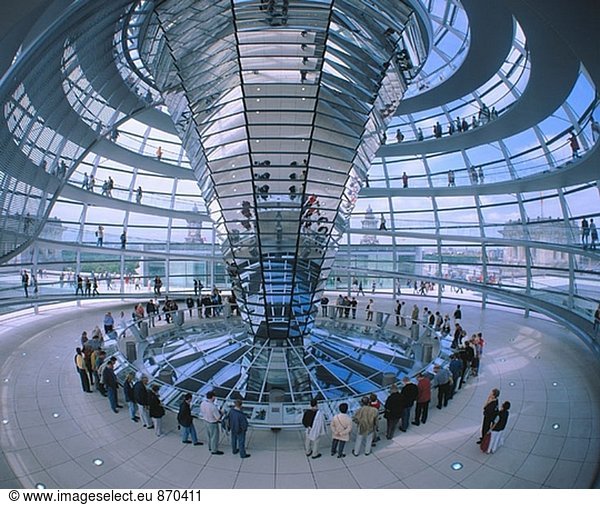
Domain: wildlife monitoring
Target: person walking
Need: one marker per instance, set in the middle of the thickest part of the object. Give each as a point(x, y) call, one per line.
point(341, 428)
point(457, 315)
point(212, 416)
point(397, 311)
point(574, 143)
point(593, 234)
point(186, 421)
point(100, 236)
point(369, 310)
point(585, 232)
point(25, 282)
point(490, 411)
point(451, 179)
point(238, 425)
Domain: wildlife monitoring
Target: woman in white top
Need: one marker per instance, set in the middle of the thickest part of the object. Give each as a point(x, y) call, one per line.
point(341, 427)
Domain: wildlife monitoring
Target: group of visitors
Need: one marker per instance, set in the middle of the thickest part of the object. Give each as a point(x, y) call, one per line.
point(589, 234)
point(29, 279)
point(90, 361)
point(397, 410)
point(207, 305)
point(462, 125)
point(494, 422)
point(86, 286)
point(144, 402)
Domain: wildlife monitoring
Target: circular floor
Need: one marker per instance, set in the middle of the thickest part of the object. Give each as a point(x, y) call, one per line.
point(51, 432)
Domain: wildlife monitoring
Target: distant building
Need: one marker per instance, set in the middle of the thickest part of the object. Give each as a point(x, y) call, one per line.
point(541, 229)
point(194, 232)
point(370, 222)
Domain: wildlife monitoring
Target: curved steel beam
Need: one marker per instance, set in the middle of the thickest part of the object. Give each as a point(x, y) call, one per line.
point(554, 71)
point(580, 171)
point(488, 241)
point(491, 31)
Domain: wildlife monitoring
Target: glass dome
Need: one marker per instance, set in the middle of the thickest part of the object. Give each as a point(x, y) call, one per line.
point(486, 171)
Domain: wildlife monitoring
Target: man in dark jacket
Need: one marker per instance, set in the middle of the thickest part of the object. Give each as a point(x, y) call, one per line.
point(140, 393)
point(238, 424)
point(408, 396)
point(393, 411)
point(151, 311)
point(456, 368)
point(109, 379)
point(186, 421)
point(189, 301)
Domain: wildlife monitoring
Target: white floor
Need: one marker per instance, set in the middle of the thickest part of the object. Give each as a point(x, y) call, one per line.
point(52, 432)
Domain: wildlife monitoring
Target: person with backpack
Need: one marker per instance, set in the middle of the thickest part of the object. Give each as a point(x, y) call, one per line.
point(237, 423)
point(186, 421)
point(314, 422)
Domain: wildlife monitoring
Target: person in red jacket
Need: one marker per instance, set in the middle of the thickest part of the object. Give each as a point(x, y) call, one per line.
point(423, 399)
